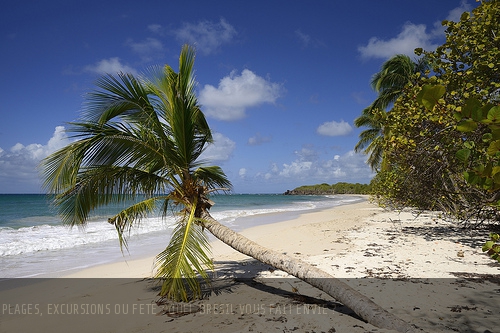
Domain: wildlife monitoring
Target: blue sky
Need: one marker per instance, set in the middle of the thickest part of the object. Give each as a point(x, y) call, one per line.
point(280, 82)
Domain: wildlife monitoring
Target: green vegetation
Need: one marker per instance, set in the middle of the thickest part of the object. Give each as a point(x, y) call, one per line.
point(440, 139)
point(338, 188)
point(492, 247)
point(139, 139)
point(389, 83)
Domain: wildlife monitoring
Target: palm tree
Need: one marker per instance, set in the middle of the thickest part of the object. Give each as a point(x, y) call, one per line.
point(389, 83)
point(370, 140)
point(141, 139)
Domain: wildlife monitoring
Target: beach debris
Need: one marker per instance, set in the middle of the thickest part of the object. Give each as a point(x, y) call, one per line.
point(459, 308)
point(294, 290)
point(460, 254)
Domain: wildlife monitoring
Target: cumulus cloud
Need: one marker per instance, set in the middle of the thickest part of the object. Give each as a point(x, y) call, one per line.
point(235, 94)
point(412, 36)
point(18, 165)
point(258, 139)
point(220, 150)
point(350, 166)
point(110, 66)
point(311, 168)
point(207, 36)
point(333, 128)
point(455, 14)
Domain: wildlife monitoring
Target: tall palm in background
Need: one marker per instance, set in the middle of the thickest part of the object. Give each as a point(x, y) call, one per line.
point(141, 139)
point(389, 83)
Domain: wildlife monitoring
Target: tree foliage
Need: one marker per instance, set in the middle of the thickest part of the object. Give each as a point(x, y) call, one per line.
point(389, 83)
point(492, 247)
point(337, 188)
point(442, 142)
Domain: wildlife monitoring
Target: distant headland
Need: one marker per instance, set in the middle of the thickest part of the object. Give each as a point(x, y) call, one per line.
point(325, 189)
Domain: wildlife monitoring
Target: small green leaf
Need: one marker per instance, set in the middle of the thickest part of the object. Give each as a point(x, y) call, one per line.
point(493, 148)
point(430, 95)
point(487, 137)
point(496, 179)
point(466, 176)
point(466, 125)
point(463, 155)
point(495, 134)
point(494, 113)
point(488, 245)
point(469, 144)
point(495, 170)
point(472, 108)
point(488, 169)
point(486, 108)
point(458, 116)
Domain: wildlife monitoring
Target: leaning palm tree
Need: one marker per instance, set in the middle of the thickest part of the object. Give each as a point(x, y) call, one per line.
point(141, 139)
point(395, 74)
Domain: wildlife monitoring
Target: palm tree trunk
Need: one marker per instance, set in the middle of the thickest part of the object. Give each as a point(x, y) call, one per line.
point(360, 304)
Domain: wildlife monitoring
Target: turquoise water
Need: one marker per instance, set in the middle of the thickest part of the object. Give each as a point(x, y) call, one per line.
point(34, 242)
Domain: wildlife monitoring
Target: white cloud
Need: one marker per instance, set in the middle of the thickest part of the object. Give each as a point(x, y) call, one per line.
point(147, 49)
point(156, 28)
point(110, 66)
point(333, 128)
point(220, 150)
point(455, 14)
point(18, 165)
point(206, 36)
point(258, 139)
point(296, 169)
point(412, 36)
point(310, 168)
point(242, 172)
point(237, 93)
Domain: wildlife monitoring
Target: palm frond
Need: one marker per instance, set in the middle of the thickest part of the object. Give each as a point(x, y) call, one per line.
point(366, 138)
point(184, 260)
point(124, 220)
point(213, 177)
point(99, 186)
point(121, 95)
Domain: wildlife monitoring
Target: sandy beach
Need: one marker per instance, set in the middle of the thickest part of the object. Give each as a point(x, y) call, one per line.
point(421, 268)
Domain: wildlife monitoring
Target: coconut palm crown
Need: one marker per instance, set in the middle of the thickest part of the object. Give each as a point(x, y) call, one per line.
point(139, 139)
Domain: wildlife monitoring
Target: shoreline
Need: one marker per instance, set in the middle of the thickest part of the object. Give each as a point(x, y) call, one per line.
point(419, 268)
point(142, 267)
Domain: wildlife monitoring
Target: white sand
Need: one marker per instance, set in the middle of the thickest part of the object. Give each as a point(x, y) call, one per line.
point(431, 265)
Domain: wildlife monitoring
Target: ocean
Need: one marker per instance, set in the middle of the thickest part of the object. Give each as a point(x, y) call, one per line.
point(35, 243)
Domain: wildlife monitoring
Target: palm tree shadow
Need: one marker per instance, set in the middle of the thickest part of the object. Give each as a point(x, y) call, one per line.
point(232, 275)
